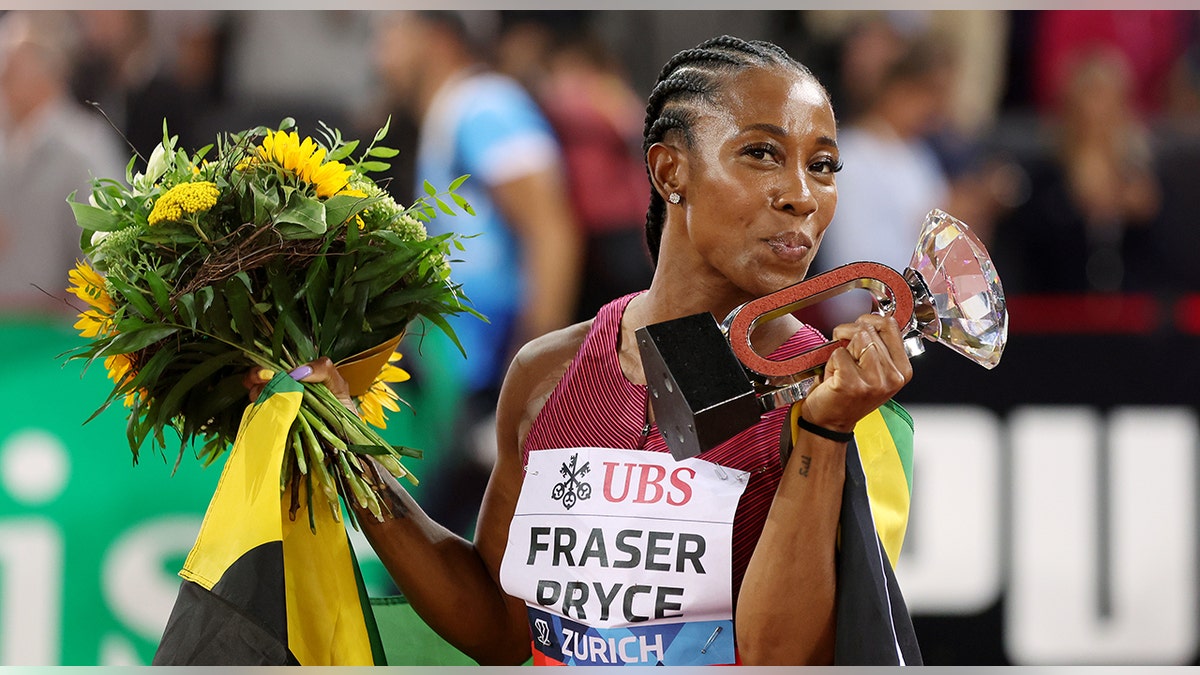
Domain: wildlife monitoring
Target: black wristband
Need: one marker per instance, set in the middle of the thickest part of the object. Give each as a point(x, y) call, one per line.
point(837, 436)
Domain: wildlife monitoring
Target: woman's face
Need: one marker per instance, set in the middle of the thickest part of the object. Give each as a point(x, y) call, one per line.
point(760, 188)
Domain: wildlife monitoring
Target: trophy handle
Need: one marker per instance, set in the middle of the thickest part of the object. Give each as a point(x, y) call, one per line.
point(889, 287)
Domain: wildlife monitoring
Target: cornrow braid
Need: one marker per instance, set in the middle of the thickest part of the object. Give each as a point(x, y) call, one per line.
point(688, 79)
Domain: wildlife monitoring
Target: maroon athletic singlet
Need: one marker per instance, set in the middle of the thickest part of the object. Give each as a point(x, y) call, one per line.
point(594, 405)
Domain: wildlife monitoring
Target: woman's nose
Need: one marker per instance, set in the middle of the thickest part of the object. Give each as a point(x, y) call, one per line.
point(796, 197)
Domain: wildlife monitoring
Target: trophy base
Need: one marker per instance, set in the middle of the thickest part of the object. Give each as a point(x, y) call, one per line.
point(700, 392)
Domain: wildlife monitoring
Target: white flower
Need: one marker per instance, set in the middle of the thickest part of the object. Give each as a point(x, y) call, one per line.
point(156, 166)
point(98, 236)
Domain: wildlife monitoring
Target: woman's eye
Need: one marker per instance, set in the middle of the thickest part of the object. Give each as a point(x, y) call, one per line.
point(761, 152)
point(827, 165)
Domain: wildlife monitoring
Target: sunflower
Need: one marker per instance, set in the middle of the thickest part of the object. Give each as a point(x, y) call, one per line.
point(120, 370)
point(184, 199)
point(88, 285)
point(306, 160)
point(381, 395)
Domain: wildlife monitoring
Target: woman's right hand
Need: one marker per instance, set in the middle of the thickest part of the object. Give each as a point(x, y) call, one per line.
point(861, 376)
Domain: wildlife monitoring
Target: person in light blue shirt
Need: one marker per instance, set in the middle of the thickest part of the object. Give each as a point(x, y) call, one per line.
point(522, 269)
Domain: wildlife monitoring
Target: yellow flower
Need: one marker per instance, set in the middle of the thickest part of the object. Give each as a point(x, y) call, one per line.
point(120, 370)
point(88, 285)
point(306, 160)
point(185, 198)
point(381, 395)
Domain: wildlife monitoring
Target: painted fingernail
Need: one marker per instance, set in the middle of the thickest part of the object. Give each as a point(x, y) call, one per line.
point(301, 372)
point(265, 373)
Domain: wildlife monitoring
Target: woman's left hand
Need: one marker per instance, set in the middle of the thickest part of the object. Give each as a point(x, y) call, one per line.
point(320, 370)
point(861, 376)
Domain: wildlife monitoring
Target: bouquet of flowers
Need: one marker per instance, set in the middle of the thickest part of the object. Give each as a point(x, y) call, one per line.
point(261, 250)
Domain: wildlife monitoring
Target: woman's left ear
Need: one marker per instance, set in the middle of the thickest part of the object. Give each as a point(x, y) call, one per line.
point(668, 170)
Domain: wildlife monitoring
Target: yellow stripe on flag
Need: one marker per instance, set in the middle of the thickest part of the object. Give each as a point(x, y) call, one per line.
point(887, 482)
point(325, 623)
point(325, 616)
point(248, 491)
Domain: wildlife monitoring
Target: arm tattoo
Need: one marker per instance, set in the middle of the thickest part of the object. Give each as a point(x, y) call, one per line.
point(805, 463)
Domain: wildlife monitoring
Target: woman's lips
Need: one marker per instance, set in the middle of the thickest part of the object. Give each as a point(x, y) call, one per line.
point(790, 246)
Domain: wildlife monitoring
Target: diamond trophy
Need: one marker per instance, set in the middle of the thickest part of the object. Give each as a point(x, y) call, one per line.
point(707, 383)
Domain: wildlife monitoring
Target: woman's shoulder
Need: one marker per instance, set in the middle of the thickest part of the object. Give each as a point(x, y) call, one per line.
point(541, 362)
point(558, 346)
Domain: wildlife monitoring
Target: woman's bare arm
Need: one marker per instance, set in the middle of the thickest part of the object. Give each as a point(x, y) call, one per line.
point(785, 613)
point(454, 584)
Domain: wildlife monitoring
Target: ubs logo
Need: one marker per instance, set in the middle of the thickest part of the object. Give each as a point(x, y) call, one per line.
point(571, 488)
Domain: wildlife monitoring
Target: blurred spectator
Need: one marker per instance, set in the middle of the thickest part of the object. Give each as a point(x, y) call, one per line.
point(891, 176)
point(1084, 226)
point(1150, 42)
point(49, 148)
point(867, 41)
point(1183, 88)
point(598, 119)
point(522, 271)
point(311, 65)
point(143, 67)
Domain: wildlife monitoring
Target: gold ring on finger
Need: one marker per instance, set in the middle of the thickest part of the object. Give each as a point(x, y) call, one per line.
point(864, 351)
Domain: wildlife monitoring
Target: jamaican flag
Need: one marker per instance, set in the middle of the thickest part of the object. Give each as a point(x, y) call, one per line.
point(873, 624)
point(261, 587)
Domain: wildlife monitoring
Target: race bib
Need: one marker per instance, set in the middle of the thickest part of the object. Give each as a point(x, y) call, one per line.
point(623, 557)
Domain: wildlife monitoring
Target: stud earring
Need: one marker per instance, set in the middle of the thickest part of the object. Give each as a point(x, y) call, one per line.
point(674, 198)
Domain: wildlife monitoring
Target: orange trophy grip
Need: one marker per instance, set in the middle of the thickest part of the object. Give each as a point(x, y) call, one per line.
point(881, 280)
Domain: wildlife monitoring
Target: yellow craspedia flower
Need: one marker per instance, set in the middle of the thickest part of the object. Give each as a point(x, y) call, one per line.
point(305, 160)
point(381, 395)
point(185, 198)
point(88, 285)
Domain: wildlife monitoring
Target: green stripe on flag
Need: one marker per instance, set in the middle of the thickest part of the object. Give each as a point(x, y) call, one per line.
point(900, 423)
point(884, 441)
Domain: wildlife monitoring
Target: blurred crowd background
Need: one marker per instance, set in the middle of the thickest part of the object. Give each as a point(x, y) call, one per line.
point(1068, 140)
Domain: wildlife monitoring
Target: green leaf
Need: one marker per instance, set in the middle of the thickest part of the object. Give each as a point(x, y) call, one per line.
point(372, 450)
point(342, 152)
point(134, 297)
point(429, 189)
point(162, 295)
point(305, 212)
point(305, 350)
point(266, 202)
point(245, 279)
point(186, 308)
point(170, 404)
point(205, 294)
point(237, 297)
point(444, 207)
point(462, 203)
point(340, 208)
point(94, 218)
point(383, 130)
point(457, 182)
point(382, 152)
point(373, 167)
point(132, 341)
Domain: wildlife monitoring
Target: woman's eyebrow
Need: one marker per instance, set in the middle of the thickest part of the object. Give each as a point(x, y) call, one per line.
point(773, 129)
point(776, 130)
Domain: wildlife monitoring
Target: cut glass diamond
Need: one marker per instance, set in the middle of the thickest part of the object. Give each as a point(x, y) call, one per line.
point(969, 314)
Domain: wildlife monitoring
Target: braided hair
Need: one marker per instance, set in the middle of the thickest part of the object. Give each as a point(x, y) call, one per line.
point(690, 78)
